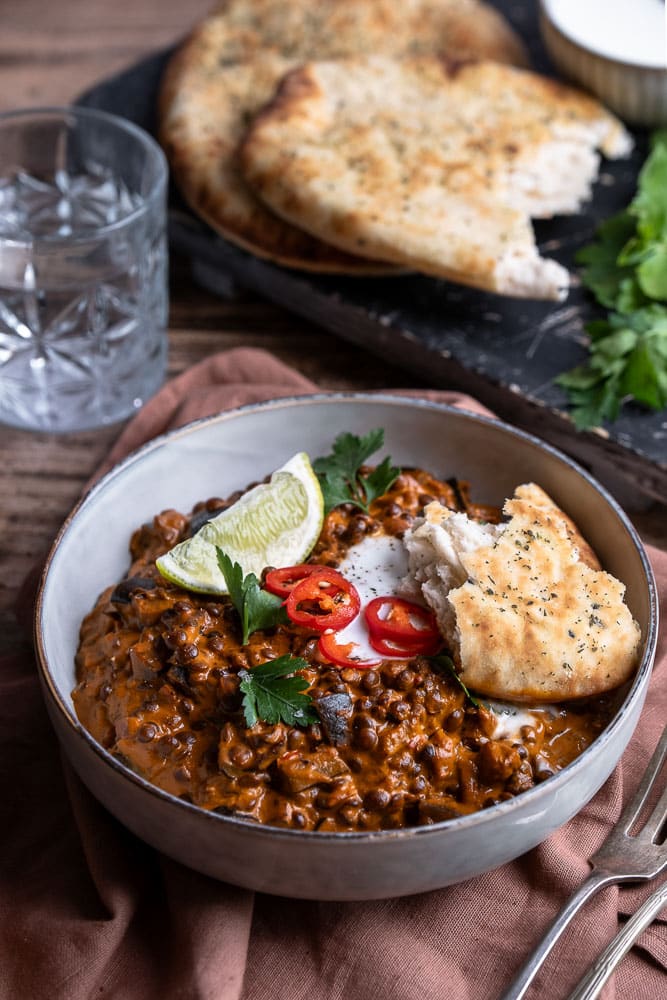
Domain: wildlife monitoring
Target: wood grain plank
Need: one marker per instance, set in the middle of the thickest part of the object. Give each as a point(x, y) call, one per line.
point(50, 52)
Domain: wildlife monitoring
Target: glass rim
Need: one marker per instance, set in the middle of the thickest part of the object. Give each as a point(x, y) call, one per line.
point(152, 148)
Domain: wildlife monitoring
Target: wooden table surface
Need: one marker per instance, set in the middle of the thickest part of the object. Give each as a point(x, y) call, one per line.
point(49, 53)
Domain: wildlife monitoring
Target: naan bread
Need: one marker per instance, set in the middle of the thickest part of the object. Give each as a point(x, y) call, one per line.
point(432, 165)
point(528, 612)
point(231, 65)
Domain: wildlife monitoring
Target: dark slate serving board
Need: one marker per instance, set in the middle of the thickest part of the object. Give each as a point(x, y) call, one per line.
point(506, 352)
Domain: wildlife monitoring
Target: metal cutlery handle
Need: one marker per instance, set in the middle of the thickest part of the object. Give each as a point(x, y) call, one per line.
point(621, 858)
point(525, 976)
point(598, 974)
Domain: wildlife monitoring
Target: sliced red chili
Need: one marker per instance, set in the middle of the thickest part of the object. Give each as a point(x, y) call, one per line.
point(282, 581)
point(398, 651)
point(401, 621)
point(323, 600)
point(342, 653)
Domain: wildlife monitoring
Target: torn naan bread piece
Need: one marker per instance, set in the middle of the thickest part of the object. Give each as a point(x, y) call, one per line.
point(432, 165)
point(527, 611)
point(230, 66)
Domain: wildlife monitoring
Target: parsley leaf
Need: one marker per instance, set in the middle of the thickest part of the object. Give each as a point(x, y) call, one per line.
point(628, 358)
point(626, 269)
point(379, 480)
point(340, 472)
point(274, 692)
point(335, 490)
point(256, 607)
point(446, 664)
point(602, 273)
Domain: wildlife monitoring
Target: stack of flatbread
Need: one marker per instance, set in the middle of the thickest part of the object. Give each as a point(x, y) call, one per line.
point(365, 136)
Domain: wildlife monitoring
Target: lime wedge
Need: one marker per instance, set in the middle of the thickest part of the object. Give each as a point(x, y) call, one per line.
point(274, 524)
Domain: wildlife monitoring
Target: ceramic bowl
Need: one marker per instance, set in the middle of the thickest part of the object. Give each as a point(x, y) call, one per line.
point(218, 455)
point(628, 81)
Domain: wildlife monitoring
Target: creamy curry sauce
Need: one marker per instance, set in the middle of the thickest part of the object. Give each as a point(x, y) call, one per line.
point(397, 745)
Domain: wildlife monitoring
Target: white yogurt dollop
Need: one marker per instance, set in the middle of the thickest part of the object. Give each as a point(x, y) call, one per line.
point(511, 718)
point(376, 567)
point(631, 31)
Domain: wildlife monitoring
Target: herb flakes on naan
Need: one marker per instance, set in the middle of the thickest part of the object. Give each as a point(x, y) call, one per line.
point(432, 165)
point(529, 614)
point(233, 61)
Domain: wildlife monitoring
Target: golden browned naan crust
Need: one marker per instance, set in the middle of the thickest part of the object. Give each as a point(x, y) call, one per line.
point(524, 606)
point(533, 495)
point(432, 165)
point(230, 66)
point(535, 622)
point(207, 174)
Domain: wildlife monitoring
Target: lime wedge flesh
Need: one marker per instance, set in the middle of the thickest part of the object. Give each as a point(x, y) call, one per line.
point(274, 524)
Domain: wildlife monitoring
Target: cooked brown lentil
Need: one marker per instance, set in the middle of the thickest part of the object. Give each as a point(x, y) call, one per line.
point(158, 686)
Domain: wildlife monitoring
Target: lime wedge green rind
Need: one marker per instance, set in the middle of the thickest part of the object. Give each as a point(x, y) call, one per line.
point(274, 524)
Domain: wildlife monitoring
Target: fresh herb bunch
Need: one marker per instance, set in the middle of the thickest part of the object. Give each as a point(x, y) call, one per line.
point(274, 692)
point(626, 269)
point(339, 473)
point(256, 607)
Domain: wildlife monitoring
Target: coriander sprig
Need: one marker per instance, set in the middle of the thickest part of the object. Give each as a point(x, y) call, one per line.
point(256, 607)
point(626, 269)
point(275, 692)
point(340, 472)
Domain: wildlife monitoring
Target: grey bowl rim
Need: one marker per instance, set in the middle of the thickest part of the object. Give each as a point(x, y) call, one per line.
point(637, 689)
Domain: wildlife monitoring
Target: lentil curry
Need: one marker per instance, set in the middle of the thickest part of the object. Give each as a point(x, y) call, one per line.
point(398, 744)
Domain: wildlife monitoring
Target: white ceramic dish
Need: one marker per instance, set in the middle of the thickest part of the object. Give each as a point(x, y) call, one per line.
point(215, 457)
point(615, 48)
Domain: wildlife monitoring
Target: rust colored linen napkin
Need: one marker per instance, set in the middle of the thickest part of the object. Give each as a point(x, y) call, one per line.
point(88, 911)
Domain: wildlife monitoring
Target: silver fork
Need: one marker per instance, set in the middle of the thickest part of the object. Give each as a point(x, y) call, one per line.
point(592, 982)
point(621, 858)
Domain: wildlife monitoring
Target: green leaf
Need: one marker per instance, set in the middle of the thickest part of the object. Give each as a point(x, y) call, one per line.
point(348, 453)
point(658, 138)
point(601, 403)
point(445, 664)
point(650, 318)
point(580, 378)
point(658, 342)
point(602, 273)
point(233, 575)
point(380, 479)
point(335, 490)
point(257, 608)
point(274, 692)
point(626, 269)
point(652, 273)
point(630, 296)
point(650, 203)
point(613, 348)
point(264, 610)
point(603, 406)
point(642, 377)
point(340, 476)
point(599, 328)
point(633, 253)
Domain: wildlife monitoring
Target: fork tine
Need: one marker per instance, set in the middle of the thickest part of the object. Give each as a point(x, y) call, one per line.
point(656, 820)
point(636, 804)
